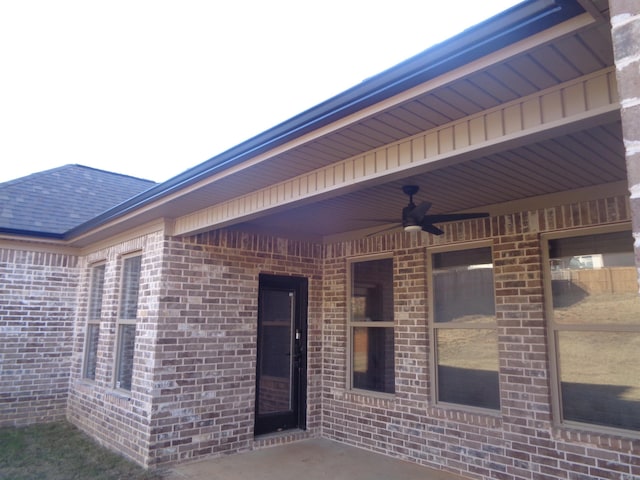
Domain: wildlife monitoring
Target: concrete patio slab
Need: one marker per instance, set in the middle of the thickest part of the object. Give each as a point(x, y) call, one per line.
point(313, 459)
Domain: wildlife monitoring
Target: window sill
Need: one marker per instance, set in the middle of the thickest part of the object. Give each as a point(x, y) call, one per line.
point(607, 437)
point(85, 385)
point(472, 416)
point(118, 397)
point(368, 397)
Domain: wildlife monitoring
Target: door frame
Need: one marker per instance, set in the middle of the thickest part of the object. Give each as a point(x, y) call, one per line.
point(298, 418)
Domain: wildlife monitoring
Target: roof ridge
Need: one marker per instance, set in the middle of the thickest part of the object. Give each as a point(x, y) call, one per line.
point(31, 176)
point(24, 178)
point(48, 203)
point(110, 172)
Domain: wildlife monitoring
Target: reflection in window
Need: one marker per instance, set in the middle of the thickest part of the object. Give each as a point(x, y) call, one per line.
point(126, 346)
point(93, 322)
point(468, 367)
point(275, 350)
point(91, 351)
point(371, 324)
point(126, 324)
point(464, 328)
point(596, 325)
point(600, 379)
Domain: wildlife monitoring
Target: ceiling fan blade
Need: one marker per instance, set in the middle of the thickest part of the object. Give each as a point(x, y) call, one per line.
point(452, 217)
point(419, 212)
point(431, 229)
point(414, 217)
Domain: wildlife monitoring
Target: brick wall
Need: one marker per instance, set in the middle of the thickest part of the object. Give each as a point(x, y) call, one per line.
point(37, 314)
point(520, 442)
point(625, 33)
point(204, 386)
point(118, 419)
point(194, 379)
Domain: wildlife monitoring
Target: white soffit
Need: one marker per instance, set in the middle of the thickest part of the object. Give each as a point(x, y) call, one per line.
point(563, 107)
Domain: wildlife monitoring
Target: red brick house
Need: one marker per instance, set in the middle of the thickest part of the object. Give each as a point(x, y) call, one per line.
point(290, 288)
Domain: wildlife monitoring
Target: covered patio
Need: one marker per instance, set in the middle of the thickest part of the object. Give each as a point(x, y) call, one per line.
point(311, 459)
point(274, 295)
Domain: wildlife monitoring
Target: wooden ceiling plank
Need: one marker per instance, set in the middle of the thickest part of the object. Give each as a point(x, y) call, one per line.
point(582, 58)
point(481, 97)
point(337, 143)
point(603, 141)
point(456, 179)
point(548, 177)
point(392, 119)
point(420, 108)
point(330, 150)
point(411, 118)
point(515, 183)
point(536, 75)
point(586, 160)
point(504, 73)
point(365, 129)
point(598, 41)
point(388, 127)
point(439, 105)
point(465, 97)
point(348, 142)
point(568, 168)
point(365, 140)
point(498, 90)
point(556, 63)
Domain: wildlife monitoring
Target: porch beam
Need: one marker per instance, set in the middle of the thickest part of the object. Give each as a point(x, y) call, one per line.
point(561, 108)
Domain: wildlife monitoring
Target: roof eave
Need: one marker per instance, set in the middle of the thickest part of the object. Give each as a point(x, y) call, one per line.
point(515, 24)
point(18, 232)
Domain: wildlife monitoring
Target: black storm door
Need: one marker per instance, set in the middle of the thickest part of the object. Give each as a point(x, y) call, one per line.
point(281, 364)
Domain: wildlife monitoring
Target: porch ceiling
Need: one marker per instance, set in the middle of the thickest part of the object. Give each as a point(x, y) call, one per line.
point(544, 66)
point(570, 159)
point(581, 160)
point(577, 160)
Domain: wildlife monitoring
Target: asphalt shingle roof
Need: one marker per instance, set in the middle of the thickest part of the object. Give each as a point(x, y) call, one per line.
point(55, 201)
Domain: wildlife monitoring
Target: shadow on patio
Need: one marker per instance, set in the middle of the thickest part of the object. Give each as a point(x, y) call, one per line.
point(313, 459)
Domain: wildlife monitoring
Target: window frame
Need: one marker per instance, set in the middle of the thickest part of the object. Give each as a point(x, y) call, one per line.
point(434, 326)
point(92, 322)
point(121, 322)
point(554, 328)
point(351, 325)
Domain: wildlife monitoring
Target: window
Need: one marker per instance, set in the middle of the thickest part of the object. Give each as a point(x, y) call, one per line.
point(371, 325)
point(93, 322)
point(594, 316)
point(463, 328)
point(126, 325)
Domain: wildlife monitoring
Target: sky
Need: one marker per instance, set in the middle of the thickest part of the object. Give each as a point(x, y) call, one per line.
point(151, 88)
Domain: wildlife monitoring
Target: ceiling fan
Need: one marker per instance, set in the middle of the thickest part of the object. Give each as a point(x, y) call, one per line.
point(415, 218)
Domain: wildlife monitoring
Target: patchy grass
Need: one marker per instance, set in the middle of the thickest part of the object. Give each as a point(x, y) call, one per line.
point(59, 451)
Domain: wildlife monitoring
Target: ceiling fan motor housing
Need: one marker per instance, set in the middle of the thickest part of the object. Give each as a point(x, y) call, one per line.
point(407, 219)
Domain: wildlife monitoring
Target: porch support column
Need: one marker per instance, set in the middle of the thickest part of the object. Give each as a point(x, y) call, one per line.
point(625, 32)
